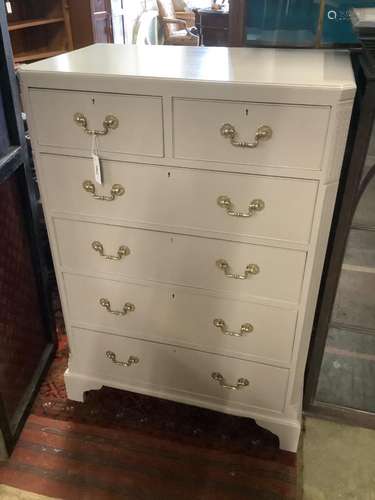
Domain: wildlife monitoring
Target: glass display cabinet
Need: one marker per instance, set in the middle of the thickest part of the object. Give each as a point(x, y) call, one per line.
point(26, 323)
point(341, 373)
point(300, 23)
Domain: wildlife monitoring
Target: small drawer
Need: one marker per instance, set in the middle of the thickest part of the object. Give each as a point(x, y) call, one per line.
point(215, 22)
point(187, 318)
point(136, 365)
point(138, 254)
point(295, 135)
point(139, 130)
point(180, 200)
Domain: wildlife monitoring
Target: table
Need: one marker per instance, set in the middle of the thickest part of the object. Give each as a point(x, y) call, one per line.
point(214, 27)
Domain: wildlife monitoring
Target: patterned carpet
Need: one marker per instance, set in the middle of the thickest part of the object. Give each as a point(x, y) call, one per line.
point(112, 408)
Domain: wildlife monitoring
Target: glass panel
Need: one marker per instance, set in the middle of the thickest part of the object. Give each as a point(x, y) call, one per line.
point(348, 370)
point(282, 22)
point(355, 298)
point(365, 212)
point(298, 22)
point(337, 28)
point(360, 249)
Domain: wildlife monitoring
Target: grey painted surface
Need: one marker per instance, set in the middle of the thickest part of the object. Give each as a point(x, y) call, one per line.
point(338, 462)
point(355, 299)
point(348, 371)
point(365, 213)
point(360, 250)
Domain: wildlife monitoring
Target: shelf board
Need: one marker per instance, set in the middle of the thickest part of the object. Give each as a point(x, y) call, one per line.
point(30, 23)
point(358, 269)
point(35, 55)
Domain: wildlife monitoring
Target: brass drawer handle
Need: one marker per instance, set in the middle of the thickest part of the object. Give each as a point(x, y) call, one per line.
point(225, 202)
point(264, 133)
point(116, 190)
point(251, 270)
point(122, 251)
point(133, 360)
point(110, 123)
point(241, 382)
point(244, 330)
point(128, 307)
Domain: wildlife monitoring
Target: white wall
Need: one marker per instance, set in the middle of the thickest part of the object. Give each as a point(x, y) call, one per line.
point(131, 10)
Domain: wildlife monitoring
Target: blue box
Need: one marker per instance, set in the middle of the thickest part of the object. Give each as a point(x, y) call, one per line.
point(301, 23)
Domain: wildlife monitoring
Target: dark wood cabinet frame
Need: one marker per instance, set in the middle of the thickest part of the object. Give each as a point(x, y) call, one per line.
point(15, 162)
point(237, 20)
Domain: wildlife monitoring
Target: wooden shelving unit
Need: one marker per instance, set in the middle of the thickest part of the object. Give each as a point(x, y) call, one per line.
point(91, 22)
point(30, 23)
point(39, 29)
point(22, 57)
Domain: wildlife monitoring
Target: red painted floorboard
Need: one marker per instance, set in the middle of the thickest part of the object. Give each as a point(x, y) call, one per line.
point(75, 461)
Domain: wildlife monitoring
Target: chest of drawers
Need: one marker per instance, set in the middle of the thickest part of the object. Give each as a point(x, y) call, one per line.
point(192, 271)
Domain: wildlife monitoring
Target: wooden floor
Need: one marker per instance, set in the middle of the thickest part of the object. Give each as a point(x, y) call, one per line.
point(122, 445)
point(74, 461)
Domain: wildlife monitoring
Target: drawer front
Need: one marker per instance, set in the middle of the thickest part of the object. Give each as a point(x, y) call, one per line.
point(167, 368)
point(215, 22)
point(298, 133)
point(140, 122)
point(185, 260)
point(181, 199)
point(183, 317)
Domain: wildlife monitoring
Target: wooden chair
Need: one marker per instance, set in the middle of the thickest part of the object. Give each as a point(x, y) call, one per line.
point(146, 29)
point(176, 31)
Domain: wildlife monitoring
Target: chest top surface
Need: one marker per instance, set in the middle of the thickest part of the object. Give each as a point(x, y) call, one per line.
point(319, 69)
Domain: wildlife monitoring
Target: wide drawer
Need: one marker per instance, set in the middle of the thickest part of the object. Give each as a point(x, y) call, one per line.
point(140, 121)
point(298, 132)
point(188, 318)
point(186, 260)
point(168, 368)
point(180, 199)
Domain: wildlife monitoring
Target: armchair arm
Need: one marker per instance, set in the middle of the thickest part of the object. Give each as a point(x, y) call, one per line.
point(187, 16)
point(173, 20)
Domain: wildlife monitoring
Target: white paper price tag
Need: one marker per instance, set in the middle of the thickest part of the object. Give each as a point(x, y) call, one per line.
point(96, 160)
point(9, 7)
point(97, 168)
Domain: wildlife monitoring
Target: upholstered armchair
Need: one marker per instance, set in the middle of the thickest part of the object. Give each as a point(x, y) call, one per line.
point(176, 31)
